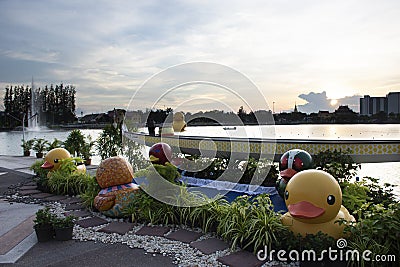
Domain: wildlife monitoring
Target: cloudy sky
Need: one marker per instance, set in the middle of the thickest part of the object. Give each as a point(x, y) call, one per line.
point(307, 52)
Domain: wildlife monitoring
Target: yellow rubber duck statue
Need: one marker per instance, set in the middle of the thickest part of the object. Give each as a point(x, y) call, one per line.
point(314, 202)
point(52, 160)
point(179, 123)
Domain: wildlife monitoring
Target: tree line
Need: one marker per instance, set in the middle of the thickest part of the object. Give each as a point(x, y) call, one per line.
point(55, 104)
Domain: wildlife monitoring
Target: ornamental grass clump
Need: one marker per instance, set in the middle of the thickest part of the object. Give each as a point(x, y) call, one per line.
point(67, 180)
point(338, 163)
point(91, 191)
point(250, 223)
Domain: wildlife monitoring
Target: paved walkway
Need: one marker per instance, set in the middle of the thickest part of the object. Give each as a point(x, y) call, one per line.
point(19, 247)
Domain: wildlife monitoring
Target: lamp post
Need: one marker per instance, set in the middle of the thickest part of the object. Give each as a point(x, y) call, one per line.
point(273, 107)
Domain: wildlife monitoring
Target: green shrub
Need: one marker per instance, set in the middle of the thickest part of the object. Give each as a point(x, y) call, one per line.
point(43, 217)
point(91, 191)
point(377, 229)
point(262, 172)
point(338, 163)
point(354, 195)
point(27, 145)
point(40, 172)
point(379, 194)
point(75, 143)
point(68, 184)
point(145, 208)
point(168, 171)
point(41, 175)
point(207, 216)
point(65, 222)
point(66, 180)
point(55, 144)
point(250, 223)
point(109, 143)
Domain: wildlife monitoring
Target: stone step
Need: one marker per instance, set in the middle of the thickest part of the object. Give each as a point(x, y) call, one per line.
point(117, 227)
point(42, 195)
point(209, 246)
point(184, 236)
point(28, 187)
point(79, 213)
point(71, 200)
point(76, 206)
point(241, 259)
point(153, 230)
point(91, 222)
point(29, 192)
point(55, 198)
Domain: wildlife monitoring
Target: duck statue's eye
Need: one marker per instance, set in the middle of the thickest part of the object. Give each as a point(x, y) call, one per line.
point(56, 161)
point(330, 200)
point(286, 195)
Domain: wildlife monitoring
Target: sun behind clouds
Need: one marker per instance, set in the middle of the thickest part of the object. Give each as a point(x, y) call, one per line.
point(333, 102)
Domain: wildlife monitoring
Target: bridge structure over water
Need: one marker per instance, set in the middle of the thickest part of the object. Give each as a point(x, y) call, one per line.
point(362, 151)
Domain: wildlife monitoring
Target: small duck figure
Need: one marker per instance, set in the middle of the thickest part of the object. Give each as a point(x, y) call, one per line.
point(314, 202)
point(54, 157)
point(292, 162)
point(179, 123)
point(114, 175)
point(160, 153)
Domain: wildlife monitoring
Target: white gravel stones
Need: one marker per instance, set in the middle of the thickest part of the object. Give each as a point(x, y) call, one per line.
point(181, 253)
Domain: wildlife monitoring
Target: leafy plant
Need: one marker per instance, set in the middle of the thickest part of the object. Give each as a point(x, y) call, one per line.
point(207, 216)
point(377, 229)
point(65, 222)
point(75, 142)
point(86, 150)
point(380, 194)
point(354, 195)
point(66, 180)
point(55, 144)
point(262, 172)
point(338, 163)
point(27, 145)
point(145, 208)
point(36, 168)
point(109, 143)
point(250, 223)
point(39, 145)
point(43, 218)
point(91, 191)
point(168, 171)
point(41, 175)
point(68, 184)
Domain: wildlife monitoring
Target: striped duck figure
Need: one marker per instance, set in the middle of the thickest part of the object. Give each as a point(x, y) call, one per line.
point(114, 175)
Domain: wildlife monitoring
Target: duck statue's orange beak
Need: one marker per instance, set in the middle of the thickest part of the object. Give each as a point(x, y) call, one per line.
point(47, 165)
point(305, 210)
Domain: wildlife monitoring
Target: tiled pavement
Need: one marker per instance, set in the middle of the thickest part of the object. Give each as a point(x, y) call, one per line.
point(87, 219)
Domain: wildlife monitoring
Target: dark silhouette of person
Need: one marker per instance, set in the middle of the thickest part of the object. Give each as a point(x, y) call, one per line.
point(151, 126)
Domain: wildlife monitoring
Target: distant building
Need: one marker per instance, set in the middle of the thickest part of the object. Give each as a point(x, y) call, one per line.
point(134, 117)
point(344, 111)
point(95, 118)
point(373, 105)
point(393, 103)
point(324, 114)
point(295, 110)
